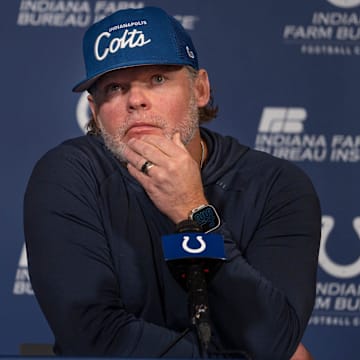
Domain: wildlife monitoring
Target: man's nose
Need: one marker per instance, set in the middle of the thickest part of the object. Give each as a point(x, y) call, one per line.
point(138, 98)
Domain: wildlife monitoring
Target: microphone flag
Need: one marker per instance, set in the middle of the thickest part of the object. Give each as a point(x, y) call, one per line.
point(193, 246)
point(182, 250)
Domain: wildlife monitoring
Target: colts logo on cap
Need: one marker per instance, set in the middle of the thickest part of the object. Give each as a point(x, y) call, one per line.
point(130, 39)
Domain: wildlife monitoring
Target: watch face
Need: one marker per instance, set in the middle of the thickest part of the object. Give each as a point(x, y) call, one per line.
point(207, 218)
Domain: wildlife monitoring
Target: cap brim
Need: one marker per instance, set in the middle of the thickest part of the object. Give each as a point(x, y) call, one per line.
point(87, 83)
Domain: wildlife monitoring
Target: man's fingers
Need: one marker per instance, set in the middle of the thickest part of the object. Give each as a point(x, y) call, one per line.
point(159, 150)
point(177, 141)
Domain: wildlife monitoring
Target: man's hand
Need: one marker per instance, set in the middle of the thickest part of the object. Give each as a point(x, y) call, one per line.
point(302, 353)
point(174, 182)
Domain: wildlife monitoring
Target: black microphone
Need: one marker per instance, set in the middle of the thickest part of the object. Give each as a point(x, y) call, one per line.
point(193, 258)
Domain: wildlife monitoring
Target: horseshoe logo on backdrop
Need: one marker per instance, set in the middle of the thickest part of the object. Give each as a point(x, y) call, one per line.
point(330, 266)
point(345, 3)
point(83, 111)
point(190, 250)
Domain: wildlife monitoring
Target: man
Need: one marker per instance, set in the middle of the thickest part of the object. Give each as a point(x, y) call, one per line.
point(96, 208)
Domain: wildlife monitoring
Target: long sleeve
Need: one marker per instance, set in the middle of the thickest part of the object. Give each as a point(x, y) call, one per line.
point(73, 271)
point(263, 295)
point(97, 268)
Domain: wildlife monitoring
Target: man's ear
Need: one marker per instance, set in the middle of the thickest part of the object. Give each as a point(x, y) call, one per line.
point(202, 88)
point(92, 105)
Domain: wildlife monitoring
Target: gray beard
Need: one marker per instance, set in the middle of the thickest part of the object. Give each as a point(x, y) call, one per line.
point(187, 129)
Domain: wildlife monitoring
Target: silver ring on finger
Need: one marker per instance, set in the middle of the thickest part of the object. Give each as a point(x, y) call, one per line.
point(146, 167)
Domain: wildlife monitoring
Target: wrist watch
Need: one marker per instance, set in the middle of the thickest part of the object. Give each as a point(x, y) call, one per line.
point(206, 217)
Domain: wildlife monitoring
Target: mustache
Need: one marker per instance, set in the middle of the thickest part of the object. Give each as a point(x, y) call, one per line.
point(141, 119)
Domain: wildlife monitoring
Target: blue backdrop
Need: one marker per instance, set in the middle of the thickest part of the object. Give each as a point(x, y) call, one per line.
point(285, 75)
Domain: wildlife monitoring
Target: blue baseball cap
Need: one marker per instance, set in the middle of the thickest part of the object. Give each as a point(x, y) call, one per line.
point(135, 37)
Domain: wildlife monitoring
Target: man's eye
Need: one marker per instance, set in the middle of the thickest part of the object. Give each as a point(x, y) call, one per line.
point(111, 88)
point(158, 79)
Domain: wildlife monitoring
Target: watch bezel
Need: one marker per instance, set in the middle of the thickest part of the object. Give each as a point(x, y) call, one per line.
point(201, 209)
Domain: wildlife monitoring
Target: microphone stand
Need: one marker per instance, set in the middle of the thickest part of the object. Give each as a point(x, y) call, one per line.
point(199, 306)
point(196, 285)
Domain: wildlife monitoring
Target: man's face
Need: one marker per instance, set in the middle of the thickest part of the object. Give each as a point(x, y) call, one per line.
point(159, 100)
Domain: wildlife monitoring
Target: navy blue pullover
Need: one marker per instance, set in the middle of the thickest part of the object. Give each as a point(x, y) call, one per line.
point(93, 238)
